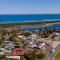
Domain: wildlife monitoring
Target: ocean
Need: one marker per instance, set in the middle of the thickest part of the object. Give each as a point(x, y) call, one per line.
point(28, 17)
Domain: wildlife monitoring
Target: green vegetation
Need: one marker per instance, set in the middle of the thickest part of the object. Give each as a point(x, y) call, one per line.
point(27, 23)
point(41, 56)
point(22, 58)
point(1, 41)
point(57, 56)
point(27, 34)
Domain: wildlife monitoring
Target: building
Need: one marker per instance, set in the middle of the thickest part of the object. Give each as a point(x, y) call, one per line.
point(17, 51)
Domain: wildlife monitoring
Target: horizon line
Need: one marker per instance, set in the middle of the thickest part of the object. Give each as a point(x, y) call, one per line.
point(28, 13)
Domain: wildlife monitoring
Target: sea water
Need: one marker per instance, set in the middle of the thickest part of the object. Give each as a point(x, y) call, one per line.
point(29, 17)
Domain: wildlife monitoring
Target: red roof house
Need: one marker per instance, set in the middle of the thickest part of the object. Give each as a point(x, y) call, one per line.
point(18, 51)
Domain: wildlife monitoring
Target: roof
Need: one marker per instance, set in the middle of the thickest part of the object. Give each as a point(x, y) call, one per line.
point(18, 51)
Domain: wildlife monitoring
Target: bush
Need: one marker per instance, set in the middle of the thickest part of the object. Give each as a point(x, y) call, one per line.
point(41, 56)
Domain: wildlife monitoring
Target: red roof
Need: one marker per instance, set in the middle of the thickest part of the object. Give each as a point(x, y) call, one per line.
point(18, 51)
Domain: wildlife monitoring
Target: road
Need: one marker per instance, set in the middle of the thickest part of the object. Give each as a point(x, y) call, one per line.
point(51, 55)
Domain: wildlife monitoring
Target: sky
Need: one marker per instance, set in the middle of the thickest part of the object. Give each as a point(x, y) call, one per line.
point(29, 6)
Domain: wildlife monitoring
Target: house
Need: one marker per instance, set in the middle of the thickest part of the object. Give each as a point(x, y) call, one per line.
point(17, 51)
point(6, 36)
point(9, 45)
point(33, 36)
point(13, 57)
point(56, 36)
point(2, 51)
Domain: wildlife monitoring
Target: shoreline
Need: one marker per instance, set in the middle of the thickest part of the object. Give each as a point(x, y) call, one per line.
point(15, 24)
point(31, 21)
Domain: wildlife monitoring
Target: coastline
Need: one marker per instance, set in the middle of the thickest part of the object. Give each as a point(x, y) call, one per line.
point(21, 24)
point(42, 21)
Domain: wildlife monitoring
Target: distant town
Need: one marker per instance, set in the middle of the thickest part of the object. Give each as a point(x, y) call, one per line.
point(29, 40)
